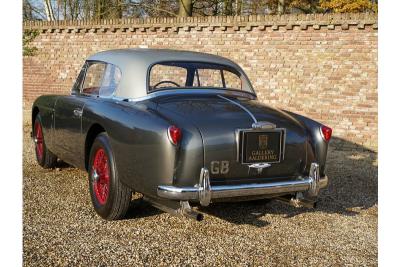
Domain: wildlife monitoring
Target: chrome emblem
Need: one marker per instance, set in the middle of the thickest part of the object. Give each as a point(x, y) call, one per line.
point(263, 142)
point(259, 167)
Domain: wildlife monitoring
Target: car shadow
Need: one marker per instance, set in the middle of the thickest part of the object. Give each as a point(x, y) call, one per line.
point(353, 186)
point(62, 164)
point(139, 208)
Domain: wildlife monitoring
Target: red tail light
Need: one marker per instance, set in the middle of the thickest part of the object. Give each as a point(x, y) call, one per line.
point(326, 132)
point(174, 134)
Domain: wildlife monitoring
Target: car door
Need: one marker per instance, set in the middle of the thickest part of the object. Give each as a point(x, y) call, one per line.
point(70, 109)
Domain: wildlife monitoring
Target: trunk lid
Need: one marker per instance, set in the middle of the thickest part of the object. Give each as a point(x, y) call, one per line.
point(219, 117)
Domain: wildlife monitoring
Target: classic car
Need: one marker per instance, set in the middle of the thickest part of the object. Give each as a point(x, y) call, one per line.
point(182, 128)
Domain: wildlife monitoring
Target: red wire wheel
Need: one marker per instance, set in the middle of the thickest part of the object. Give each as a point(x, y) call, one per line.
point(101, 176)
point(39, 141)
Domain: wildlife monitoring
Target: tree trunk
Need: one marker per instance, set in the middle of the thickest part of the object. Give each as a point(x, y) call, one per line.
point(228, 7)
point(281, 6)
point(49, 10)
point(238, 7)
point(185, 8)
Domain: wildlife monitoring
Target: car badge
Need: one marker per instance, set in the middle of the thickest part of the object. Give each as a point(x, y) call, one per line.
point(259, 166)
point(263, 141)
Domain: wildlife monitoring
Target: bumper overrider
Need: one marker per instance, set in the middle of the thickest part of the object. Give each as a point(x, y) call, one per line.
point(204, 192)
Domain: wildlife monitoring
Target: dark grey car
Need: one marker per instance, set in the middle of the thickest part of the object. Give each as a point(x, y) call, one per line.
point(179, 127)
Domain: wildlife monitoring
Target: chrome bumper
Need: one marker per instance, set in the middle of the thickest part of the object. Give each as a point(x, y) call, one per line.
point(204, 192)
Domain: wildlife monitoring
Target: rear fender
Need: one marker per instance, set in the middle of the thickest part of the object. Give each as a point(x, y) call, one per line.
point(318, 144)
point(44, 105)
point(138, 136)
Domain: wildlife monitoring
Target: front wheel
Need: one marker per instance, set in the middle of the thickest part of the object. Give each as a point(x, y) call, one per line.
point(109, 196)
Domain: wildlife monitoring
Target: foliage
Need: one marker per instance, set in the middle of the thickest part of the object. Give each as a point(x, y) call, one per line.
point(115, 9)
point(28, 37)
point(353, 6)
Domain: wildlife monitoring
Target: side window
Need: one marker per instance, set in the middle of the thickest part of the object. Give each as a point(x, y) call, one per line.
point(111, 79)
point(93, 78)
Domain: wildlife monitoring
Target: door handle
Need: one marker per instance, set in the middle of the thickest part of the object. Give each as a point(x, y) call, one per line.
point(78, 112)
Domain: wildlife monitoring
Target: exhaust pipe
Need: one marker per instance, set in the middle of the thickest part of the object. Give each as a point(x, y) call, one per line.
point(298, 201)
point(187, 211)
point(193, 215)
point(182, 209)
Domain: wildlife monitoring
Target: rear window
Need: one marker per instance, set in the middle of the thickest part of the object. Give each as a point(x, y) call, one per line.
point(197, 75)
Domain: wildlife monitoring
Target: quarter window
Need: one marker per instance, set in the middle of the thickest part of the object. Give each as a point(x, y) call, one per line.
point(111, 79)
point(101, 79)
point(93, 78)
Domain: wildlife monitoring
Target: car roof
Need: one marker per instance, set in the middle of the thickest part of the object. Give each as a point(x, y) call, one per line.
point(149, 56)
point(134, 64)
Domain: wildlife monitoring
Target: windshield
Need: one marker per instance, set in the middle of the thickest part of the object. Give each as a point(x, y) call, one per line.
point(175, 75)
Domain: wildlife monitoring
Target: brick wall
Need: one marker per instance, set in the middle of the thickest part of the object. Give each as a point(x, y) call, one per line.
point(322, 66)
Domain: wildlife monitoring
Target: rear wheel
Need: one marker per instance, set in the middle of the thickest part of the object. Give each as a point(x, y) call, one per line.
point(44, 157)
point(109, 196)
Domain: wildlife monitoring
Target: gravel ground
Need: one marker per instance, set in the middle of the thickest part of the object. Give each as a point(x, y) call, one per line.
point(60, 227)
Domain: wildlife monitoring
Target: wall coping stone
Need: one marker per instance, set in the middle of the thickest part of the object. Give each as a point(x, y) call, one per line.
point(248, 23)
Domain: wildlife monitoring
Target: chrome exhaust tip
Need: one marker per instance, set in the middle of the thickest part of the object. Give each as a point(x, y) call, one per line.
point(187, 211)
point(194, 215)
point(180, 209)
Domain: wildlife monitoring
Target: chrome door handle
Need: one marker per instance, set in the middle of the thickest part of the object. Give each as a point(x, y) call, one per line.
point(78, 112)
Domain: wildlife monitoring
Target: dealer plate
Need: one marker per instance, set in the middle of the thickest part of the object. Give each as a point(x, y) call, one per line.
point(261, 146)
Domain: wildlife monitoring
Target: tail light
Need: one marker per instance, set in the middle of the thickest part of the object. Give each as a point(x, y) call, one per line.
point(174, 134)
point(326, 132)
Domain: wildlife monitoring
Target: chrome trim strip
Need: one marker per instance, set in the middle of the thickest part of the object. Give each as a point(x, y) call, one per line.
point(168, 92)
point(241, 106)
point(206, 192)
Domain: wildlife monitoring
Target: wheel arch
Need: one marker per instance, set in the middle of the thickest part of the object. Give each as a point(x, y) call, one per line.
point(91, 135)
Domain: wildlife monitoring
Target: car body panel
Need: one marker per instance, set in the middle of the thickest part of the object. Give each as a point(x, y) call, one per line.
point(137, 125)
point(218, 119)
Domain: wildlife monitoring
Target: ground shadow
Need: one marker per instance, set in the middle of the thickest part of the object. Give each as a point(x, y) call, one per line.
point(353, 186)
point(62, 164)
point(139, 208)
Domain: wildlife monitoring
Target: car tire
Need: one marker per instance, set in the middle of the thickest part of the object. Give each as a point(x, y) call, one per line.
point(109, 196)
point(44, 157)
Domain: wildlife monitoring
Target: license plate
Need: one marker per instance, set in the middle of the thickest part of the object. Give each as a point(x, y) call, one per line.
point(261, 146)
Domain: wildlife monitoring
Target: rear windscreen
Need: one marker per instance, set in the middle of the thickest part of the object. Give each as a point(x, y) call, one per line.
point(175, 75)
